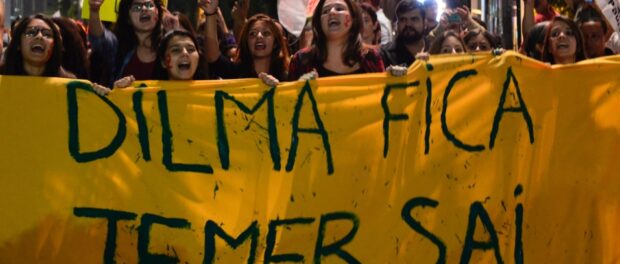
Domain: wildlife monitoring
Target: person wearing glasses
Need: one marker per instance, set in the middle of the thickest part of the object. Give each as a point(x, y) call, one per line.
point(132, 49)
point(563, 43)
point(36, 49)
point(179, 59)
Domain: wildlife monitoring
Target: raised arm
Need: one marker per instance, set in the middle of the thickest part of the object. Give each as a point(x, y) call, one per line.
point(528, 18)
point(95, 27)
point(211, 45)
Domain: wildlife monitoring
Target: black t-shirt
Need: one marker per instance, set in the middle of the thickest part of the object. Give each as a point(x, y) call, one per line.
point(324, 72)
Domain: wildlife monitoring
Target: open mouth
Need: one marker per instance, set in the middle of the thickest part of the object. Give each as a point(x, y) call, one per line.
point(145, 18)
point(562, 46)
point(259, 46)
point(333, 23)
point(37, 49)
point(184, 66)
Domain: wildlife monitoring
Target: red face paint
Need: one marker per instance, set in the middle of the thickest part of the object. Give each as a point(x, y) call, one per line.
point(347, 21)
point(50, 51)
point(168, 62)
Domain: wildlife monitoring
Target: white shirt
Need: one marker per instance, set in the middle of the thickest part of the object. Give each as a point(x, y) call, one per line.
point(386, 27)
point(614, 42)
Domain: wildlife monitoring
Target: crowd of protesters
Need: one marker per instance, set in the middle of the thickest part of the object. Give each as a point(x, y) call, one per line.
point(148, 42)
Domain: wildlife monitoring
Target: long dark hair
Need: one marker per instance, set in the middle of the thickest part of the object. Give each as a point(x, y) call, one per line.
point(14, 59)
point(354, 48)
point(162, 74)
point(537, 35)
point(580, 53)
point(438, 42)
point(75, 54)
point(372, 13)
point(279, 56)
point(124, 31)
point(486, 34)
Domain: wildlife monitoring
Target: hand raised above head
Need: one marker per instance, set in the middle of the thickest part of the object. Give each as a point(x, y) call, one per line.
point(208, 6)
point(95, 5)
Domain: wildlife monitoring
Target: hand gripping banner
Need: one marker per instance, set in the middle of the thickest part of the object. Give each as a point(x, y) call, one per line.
point(467, 159)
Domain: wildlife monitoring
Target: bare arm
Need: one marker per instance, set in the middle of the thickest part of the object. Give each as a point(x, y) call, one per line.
point(95, 27)
point(211, 45)
point(528, 18)
point(240, 14)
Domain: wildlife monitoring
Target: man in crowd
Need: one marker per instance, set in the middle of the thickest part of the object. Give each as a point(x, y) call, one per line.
point(430, 7)
point(410, 38)
point(594, 29)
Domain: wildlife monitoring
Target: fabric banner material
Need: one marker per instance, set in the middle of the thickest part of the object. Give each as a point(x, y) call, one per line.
point(466, 159)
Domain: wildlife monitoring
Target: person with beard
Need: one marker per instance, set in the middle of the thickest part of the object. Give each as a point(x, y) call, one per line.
point(132, 49)
point(410, 40)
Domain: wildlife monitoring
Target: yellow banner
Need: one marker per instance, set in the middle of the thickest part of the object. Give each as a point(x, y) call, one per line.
point(470, 159)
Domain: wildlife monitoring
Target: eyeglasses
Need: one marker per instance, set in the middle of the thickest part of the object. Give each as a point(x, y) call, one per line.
point(137, 7)
point(32, 32)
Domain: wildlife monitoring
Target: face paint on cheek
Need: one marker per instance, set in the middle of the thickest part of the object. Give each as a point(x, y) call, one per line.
point(50, 51)
point(347, 20)
point(168, 62)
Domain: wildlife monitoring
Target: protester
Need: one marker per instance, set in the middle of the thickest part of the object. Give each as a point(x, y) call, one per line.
point(384, 21)
point(371, 33)
point(75, 53)
point(479, 40)
point(430, 8)
point(179, 57)
point(337, 48)
point(262, 53)
point(36, 49)
point(535, 43)
point(563, 43)
point(593, 26)
point(409, 40)
point(448, 43)
point(132, 49)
